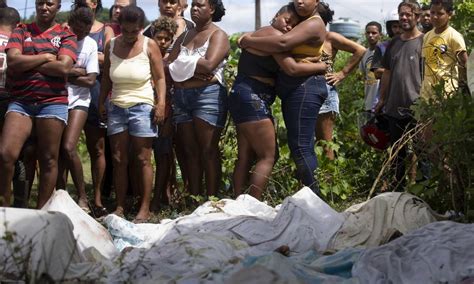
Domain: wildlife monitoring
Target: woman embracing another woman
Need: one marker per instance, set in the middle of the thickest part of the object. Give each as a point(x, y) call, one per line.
point(301, 96)
point(251, 98)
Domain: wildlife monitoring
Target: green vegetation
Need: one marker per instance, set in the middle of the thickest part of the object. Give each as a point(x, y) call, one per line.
point(358, 168)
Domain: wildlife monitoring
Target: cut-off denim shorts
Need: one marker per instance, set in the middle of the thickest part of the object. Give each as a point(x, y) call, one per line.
point(331, 104)
point(250, 100)
point(57, 111)
point(138, 120)
point(208, 103)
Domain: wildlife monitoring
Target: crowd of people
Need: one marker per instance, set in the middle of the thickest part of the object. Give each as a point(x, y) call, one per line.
point(138, 91)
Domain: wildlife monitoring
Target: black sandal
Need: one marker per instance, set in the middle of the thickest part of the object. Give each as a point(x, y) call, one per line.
point(99, 211)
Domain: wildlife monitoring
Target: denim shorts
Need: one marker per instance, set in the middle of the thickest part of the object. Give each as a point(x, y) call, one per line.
point(250, 100)
point(57, 111)
point(331, 104)
point(138, 120)
point(208, 103)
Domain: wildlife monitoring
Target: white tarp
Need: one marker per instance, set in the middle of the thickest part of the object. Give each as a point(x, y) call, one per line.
point(87, 231)
point(303, 222)
point(38, 245)
point(441, 252)
point(216, 243)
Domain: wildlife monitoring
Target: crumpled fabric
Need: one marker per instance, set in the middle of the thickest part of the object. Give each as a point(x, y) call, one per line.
point(87, 231)
point(441, 252)
point(386, 216)
point(39, 245)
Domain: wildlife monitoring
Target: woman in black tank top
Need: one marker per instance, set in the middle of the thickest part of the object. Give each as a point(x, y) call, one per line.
point(302, 96)
point(251, 98)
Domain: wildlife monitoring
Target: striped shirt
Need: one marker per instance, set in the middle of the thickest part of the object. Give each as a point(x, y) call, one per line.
point(31, 86)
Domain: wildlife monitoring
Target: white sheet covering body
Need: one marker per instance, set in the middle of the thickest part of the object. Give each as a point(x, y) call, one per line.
point(441, 252)
point(87, 231)
point(220, 241)
point(38, 245)
point(374, 222)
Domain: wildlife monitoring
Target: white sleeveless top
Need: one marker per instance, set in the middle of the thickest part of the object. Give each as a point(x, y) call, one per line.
point(184, 66)
point(131, 78)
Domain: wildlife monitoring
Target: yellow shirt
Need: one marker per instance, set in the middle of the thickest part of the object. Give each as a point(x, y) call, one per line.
point(440, 53)
point(305, 50)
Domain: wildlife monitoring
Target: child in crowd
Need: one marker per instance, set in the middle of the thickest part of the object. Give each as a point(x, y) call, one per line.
point(444, 51)
point(164, 30)
point(80, 79)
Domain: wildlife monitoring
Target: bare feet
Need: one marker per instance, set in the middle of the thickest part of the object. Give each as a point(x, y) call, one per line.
point(142, 217)
point(119, 212)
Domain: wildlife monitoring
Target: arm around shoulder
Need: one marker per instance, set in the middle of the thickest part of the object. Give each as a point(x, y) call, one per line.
point(307, 31)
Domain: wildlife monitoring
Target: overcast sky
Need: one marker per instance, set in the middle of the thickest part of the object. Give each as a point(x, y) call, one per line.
point(240, 15)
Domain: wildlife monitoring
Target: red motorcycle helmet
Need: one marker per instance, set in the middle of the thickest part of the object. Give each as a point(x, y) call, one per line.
point(374, 130)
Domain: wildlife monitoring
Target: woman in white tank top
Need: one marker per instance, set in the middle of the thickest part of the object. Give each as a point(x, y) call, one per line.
point(133, 65)
point(200, 97)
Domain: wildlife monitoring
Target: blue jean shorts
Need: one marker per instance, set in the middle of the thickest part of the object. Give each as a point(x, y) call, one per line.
point(57, 111)
point(331, 104)
point(250, 100)
point(208, 103)
point(138, 120)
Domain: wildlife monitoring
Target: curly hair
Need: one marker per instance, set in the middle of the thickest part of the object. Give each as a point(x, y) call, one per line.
point(325, 12)
point(164, 23)
point(219, 10)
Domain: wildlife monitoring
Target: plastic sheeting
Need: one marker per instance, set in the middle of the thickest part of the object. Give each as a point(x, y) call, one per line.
point(228, 241)
point(303, 222)
point(87, 231)
point(308, 267)
point(441, 252)
point(38, 245)
point(376, 221)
